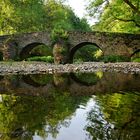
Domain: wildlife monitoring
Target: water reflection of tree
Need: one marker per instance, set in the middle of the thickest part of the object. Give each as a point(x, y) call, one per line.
point(22, 117)
point(115, 117)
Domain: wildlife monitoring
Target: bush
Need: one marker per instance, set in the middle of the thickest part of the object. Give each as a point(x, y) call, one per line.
point(48, 59)
point(115, 58)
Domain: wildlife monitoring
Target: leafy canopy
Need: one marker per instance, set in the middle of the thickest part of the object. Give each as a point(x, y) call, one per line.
point(115, 16)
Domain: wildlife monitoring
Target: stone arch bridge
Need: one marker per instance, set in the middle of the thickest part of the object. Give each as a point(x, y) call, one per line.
point(20, 45)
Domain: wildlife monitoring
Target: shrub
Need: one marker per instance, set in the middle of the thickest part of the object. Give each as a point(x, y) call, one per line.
point(136, 60)
point(48, 59)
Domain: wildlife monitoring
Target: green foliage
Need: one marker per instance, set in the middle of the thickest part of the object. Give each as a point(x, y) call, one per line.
point(48, 59)
point(98, 53)
point(20, 16)
point(58, 34)
point(115, 15)
point(115, 58)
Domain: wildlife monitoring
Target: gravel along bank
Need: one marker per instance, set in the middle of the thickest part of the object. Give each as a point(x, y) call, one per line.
point(42, 67)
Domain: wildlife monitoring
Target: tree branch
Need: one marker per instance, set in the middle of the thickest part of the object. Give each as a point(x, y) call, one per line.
point(135, 9)
point(125, 20)
point(128, 20)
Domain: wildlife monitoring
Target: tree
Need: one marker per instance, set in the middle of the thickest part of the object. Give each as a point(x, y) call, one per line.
point(116, 16)
point(18, 16)
point(21, 16)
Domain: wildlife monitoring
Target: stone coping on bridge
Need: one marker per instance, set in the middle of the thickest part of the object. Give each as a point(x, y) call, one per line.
point(24, 67)
point(69, 32)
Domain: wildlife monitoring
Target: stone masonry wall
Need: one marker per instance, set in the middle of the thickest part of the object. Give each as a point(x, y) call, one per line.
point(109, 43)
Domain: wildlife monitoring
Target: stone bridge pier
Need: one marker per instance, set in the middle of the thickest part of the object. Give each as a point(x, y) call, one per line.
point(19, 46)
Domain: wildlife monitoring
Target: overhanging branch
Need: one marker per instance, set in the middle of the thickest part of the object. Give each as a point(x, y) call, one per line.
point(128, 20)
point(132, 6)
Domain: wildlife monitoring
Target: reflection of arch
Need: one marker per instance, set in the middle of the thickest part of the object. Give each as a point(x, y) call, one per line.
point(74, 49)
point(78, 80)
point(28, 79)
point(35, 81)
point(135, 52)
point(25, 52)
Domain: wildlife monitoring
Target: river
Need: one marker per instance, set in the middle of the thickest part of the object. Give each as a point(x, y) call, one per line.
point(72, 106)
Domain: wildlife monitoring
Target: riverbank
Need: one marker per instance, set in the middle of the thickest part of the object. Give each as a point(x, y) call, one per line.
point(42, 67)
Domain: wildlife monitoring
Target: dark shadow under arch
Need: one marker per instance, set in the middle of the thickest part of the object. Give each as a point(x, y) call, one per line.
point(1, 56)
point(1, 77)
point(74, 49)
point(25, 52)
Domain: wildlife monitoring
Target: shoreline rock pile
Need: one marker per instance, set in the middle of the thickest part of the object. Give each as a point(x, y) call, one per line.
point(42, 67)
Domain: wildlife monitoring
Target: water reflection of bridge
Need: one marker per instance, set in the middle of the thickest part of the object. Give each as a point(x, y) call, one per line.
point(32, 84)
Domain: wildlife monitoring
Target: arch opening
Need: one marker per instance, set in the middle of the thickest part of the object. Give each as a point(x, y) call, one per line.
point(37, 52)
point(86, 52)
point(135, 57)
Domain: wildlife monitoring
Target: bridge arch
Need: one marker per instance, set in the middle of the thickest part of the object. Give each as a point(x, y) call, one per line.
point(80, 45)
point(25, 52)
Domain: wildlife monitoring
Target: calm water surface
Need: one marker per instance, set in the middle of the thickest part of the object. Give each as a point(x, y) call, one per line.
point(92, 106)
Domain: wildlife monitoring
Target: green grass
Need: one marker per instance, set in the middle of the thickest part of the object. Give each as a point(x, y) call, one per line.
point(136, 60)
